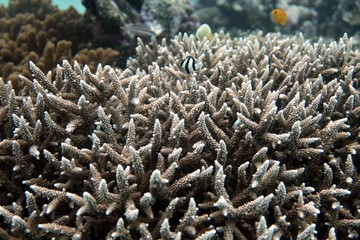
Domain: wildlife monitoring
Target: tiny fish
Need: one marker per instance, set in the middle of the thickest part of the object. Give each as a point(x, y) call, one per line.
point(188, 64)
point(204, 31)
point(279, 16)
point(138, 29)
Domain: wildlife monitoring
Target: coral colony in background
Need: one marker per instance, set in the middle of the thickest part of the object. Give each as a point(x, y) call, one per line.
point(34, 30)
point(314, 18)
point(257, 140)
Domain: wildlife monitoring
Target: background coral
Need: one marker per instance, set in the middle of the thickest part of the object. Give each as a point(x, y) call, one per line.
point(35, 30)
point(328, 19)
point(168, 17)
point(109, 19)
point(268, 128)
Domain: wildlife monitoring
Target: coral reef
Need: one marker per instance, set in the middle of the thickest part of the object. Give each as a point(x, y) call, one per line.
point(165, 18)
point(234, 15)
point(168, 17)
point(261, 141)
point(329, 19)
point(35, 30)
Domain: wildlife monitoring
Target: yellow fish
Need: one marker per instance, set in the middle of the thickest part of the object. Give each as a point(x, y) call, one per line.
point(204, 31)
point(279, 16)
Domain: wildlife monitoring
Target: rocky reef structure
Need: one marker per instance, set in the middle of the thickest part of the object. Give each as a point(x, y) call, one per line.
point(164, 18)
point(329, 19)
point(234, 15)
point(34, 30)
point(261, 141)
point(169, 17)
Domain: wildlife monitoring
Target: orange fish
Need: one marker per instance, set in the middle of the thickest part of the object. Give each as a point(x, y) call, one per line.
point(279, 16)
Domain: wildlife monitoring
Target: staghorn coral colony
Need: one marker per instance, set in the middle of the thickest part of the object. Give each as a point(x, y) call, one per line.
point(261, 141)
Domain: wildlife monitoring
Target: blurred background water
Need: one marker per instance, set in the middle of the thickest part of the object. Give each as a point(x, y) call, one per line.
point(62, 4)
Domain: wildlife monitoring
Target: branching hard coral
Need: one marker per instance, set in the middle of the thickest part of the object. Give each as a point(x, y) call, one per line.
point(35, 30)
point(260, 141)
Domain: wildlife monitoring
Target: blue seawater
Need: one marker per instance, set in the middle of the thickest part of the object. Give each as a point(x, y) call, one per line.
point(62, 4)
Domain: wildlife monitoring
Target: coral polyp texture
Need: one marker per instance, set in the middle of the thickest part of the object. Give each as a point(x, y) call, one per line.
point(261, 141)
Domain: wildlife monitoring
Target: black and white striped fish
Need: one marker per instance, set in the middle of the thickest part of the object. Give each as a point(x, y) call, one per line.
point(188, 64)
